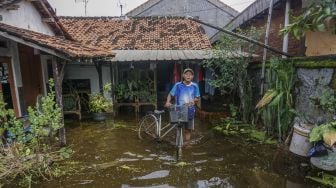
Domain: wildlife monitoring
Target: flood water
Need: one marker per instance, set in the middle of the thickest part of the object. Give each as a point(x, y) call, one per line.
point(106, 156)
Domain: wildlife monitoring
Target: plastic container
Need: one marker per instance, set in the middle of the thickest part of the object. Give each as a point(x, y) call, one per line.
point(300, 144)
point(178, 113)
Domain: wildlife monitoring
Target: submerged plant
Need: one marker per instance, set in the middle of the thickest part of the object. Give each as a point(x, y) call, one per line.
point(325, 179)
point(25, 154)
point(98, 103)
point(229, 69)
point(276, 106)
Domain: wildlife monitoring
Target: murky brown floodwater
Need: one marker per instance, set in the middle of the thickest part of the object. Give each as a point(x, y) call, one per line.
point(109, 157)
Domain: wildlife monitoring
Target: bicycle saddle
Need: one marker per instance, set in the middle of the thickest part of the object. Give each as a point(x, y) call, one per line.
point(159, 111)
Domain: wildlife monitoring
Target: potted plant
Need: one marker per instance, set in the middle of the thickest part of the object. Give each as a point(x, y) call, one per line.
point(99, 104)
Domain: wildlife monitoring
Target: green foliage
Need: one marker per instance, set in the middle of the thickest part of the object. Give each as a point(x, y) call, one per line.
point(317, 17)
point(136, 87)
point(324, 179)
point(318, 131)
point(47, 113)
point(276, 106)
point(99, 103)
point(229, 68)
point(327, 100)
point(27, 156)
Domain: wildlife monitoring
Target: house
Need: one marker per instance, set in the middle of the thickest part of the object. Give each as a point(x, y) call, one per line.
point(214, 12)
point(256, 14)
point(148, 46)
point(314, 54)
point(33, 48)
point(31, 39)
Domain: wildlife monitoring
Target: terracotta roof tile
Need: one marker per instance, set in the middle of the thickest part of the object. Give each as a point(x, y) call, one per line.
point(72, 49)
point(160, 33)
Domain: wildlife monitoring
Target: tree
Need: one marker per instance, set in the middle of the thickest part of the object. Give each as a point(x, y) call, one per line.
point(229, 68)
point(319, 16)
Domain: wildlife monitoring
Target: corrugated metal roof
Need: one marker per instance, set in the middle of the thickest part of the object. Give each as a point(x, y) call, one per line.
point(160, 55)
point(256, 8)
point(166, 55)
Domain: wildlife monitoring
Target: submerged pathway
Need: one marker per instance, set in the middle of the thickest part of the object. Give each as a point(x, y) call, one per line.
point(110, 155)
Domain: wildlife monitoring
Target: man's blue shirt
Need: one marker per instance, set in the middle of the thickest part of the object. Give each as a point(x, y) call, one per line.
point(185, 93)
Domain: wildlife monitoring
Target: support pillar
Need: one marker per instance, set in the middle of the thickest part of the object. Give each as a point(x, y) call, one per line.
point(58, 73)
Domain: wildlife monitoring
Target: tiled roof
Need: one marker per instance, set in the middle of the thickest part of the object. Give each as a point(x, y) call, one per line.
point(159, 33)
point(68, 48)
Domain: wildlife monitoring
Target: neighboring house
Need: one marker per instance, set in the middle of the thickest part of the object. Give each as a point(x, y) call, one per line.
point(156, 44)
point(214, 12)
point(33, 48)
point(256, 15)
point(314, 73)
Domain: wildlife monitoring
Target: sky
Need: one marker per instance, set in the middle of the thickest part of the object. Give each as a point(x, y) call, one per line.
point(112, 8)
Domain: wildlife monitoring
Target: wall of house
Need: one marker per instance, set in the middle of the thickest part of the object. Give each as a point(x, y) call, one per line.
point(76, 71)
point(295, 47)
point(26, 17)
point(320, 43)
point(202, 9)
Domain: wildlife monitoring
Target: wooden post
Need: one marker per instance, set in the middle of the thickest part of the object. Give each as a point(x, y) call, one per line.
point(155, 84)
point(268, 26)
point(58, 73)
point(100, 76)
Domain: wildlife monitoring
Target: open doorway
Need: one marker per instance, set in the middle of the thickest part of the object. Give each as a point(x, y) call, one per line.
point(7, 87)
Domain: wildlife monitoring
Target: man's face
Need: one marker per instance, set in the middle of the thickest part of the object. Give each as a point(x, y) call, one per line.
point(188, 76)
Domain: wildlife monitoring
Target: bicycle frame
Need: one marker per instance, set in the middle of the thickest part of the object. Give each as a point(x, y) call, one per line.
point(159, 129)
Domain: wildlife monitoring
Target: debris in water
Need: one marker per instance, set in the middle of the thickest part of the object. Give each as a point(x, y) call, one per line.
point(130, 154)
point(198, 169)
point(200, 161)
point(196, 154)
point(181, 164)
point(126, 160)
point(83, 182)
point(147, 159)
point(219, 159)
point(105, 165)
point(154, 175)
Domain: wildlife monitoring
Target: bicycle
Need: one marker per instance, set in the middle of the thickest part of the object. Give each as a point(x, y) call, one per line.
point(151, 127)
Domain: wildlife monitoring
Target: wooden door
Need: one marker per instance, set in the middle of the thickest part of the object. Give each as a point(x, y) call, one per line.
point(7, 84)
point(31, 72)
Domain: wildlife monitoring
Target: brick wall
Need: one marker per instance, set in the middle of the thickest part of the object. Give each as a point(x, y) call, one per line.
point(295, 47)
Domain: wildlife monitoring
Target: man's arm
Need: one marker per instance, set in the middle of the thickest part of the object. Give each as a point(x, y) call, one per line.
point(168, 101)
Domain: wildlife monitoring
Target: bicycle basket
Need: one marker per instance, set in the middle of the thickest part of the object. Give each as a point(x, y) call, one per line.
point(178, 113)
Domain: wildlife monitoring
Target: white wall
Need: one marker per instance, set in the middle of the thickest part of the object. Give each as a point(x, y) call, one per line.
point(77, 71)
point(26, 17)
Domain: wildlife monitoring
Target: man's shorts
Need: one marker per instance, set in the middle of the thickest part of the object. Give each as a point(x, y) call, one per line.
point(189, 125)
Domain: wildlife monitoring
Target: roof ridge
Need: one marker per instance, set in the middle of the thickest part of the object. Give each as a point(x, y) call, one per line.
point(146, 5)
point(225, 8)
point(252, 5)
point(122, 18)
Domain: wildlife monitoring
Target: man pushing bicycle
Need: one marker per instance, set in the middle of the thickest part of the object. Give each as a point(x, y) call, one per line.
point(186, 93)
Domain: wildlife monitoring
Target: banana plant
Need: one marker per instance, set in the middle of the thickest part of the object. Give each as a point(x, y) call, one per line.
point(276, 106)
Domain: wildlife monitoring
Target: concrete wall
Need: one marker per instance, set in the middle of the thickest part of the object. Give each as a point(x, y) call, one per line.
point(26, 17)
point(203, 9)
point(311, 84)
point(76, 71)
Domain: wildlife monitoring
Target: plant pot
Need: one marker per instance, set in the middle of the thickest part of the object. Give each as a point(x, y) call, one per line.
point(101, 116)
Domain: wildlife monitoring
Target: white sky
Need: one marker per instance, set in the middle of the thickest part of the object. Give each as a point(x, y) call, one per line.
point(111, 8)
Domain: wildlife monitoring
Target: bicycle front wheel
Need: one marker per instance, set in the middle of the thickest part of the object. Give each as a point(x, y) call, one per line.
point(148, 127)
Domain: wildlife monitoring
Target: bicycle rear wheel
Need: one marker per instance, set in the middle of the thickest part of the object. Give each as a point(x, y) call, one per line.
point(148, 127)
